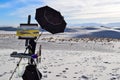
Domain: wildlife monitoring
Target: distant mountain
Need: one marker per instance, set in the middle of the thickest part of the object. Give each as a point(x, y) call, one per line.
point(117, 24)
point(88, 24)
point(91, 24)
point(9, 28)
point(70, 30)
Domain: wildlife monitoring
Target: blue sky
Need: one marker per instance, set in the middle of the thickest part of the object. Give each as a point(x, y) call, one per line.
point(14, 12)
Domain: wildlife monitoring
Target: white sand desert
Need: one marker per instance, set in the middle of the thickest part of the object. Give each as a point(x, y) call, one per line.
point(68, 56)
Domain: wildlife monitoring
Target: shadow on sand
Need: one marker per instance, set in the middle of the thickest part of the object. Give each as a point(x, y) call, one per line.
point(101, 34)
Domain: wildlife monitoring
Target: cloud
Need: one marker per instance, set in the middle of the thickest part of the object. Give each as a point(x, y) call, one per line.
point(25, 11)
point(75, 11)
point(28, 7)
point(86, 9)
point(5, 5)
point(107, 2)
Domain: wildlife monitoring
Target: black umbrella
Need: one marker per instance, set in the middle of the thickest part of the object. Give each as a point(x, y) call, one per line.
point(50, 19)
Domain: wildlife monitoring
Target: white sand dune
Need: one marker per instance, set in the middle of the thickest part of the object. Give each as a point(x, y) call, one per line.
point(65, 57)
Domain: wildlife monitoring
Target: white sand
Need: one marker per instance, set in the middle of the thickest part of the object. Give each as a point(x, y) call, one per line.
point(66, 58)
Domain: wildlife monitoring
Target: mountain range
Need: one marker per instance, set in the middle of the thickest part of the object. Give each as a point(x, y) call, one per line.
point(8, 28)
point(117, 24)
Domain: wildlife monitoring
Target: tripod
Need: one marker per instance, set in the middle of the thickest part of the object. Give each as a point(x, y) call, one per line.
point(30, 46)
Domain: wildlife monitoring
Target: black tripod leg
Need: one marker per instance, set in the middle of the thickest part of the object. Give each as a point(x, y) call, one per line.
point(15, 69)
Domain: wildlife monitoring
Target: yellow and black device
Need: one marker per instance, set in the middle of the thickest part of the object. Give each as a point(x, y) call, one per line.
point(27, 31)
